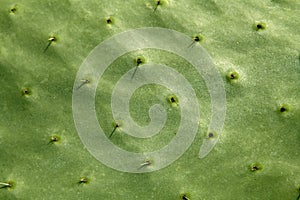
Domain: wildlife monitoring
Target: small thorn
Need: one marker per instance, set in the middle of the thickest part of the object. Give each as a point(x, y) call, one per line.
point(195, 39)
point(184, 197)
point(5, 185)
point(83, 180)
point(53, 139)
point(145, 164)
point(115, 128)
point(157, 4)
point(254, 168)
point(139, 61)
point(26, 91)
point(50, 40)
point(84, 81)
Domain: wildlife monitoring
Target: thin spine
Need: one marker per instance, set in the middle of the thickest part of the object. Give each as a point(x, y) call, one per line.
point(138, 62)
point(5, 185)
point(195, 39)
point(157, 4)
point(145, 164)
point(115, 128)
point(50, 40)
point(84, 81)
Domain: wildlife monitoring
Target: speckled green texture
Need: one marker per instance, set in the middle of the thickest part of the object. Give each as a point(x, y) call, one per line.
point(257, 130)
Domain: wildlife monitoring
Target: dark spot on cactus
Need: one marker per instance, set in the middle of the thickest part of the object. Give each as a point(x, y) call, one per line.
point(232, 76)
point(185, 196)
point(173, 100)
point(283, 108)
point(212, 135)
point(255, 167)
point(26, 91)
point(109, 20)
point(259, 26)
point(54, 139)
point(117, 125)
point(83, 180)
point(6, 185)
point(139, 60)
point(13, 9)
point(198, 38)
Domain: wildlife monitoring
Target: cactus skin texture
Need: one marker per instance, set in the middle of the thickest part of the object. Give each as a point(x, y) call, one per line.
point(255, 46)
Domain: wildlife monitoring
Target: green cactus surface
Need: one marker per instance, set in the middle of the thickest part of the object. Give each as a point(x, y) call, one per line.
point(255, 46)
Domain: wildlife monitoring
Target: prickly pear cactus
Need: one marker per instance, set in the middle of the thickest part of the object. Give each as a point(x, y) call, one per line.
point(92, 91)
